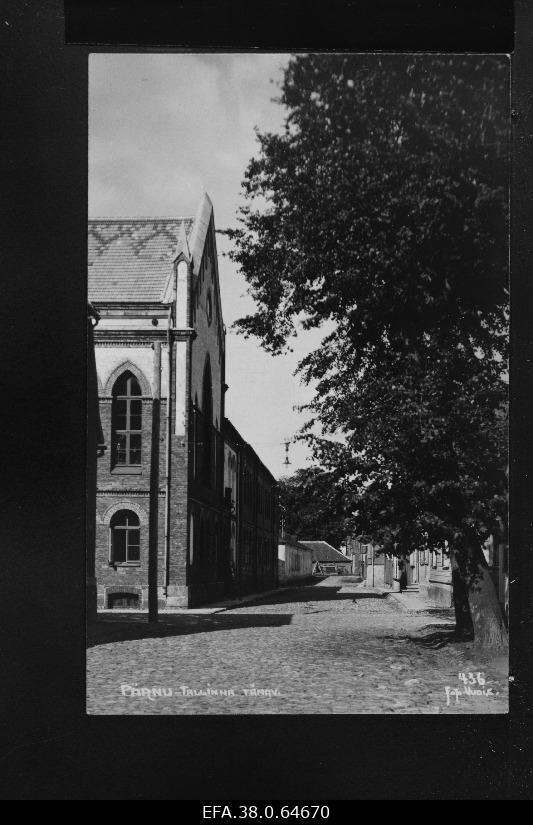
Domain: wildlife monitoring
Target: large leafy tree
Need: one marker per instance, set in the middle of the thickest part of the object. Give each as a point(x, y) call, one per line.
point(381, 210)
point(312, 504)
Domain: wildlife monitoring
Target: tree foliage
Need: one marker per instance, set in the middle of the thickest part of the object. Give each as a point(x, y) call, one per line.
point(312, 505)
point(381, 209)
point(382, 205)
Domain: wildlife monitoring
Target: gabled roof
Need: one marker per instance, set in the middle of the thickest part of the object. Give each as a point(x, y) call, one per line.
point(199, 230)
point(322, 551)
point(131, 259)
point(286, 539)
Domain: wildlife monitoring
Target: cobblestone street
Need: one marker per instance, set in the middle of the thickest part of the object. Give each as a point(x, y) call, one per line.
point(329, 647)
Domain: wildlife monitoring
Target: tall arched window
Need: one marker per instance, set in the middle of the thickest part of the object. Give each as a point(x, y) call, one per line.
point(207, 429)
point(191, 538)
point(202, 543)
point(125, 538)
point(207, 393)
point(126, 421)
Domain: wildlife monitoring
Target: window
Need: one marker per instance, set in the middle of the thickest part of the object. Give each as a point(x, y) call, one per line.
point(206, 436)
point(209, 307)
point(121, 600)
point(191, 539)
point(126, 422)
point(125, 538)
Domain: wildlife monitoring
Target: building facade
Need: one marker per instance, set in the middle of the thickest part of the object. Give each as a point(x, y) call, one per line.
point(94, 445)
point(295, 560)
point(431, 570)
point(428, 570)
point(353, 552)
point(252, 514)
point(425, 570)
point(162, 516)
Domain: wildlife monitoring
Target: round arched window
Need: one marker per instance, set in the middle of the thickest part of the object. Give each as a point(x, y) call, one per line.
point(125, 538)
point(126, 421)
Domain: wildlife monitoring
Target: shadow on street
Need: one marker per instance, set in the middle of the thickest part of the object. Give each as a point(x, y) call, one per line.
point(439, 637)
point(124, 627)
point(314, 594)
point(434, 637)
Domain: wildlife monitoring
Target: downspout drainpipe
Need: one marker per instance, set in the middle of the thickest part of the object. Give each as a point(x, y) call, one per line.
point(168, 455)
point(238, 528)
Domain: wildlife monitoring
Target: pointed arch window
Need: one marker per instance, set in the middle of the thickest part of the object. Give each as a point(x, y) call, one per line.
point(126, 419)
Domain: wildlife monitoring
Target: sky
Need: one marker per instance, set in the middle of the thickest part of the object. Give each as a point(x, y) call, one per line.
point(163, 129)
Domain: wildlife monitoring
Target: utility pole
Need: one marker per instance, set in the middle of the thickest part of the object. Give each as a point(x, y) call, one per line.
point(154, 488)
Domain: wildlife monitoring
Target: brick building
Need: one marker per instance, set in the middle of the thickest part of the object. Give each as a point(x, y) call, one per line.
point(160, 361)
point(94, 442)
point(252, 513)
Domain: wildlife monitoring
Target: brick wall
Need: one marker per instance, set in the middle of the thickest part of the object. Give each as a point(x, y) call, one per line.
point(119, 489)
point(258, 552)
point(188, 585)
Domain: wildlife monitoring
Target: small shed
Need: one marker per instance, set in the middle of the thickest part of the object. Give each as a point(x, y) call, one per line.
point(327, 560)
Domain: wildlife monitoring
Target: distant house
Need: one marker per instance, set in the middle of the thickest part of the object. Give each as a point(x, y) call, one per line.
point(424, 570)
point(295, 560)
point(355, 553)
point(326, 559)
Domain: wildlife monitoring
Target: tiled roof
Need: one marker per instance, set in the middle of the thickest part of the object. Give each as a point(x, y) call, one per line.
point(230, 432)
point(293, 542)
point(130, 259)
point(322, 551)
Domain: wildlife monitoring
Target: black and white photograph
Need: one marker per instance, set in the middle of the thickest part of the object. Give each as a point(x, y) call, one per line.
point(297, 317)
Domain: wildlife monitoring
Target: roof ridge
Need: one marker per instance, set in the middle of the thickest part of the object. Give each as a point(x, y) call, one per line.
point(144, 218)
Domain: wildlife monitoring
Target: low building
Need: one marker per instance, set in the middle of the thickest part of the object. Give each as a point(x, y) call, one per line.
point(427, 570)
point(295, 560)
point(353, 552)
point(376, 566)
point(431, 571)
point(422, 570)
point(327, 560)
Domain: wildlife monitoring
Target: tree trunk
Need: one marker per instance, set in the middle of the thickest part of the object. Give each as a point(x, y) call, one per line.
point(471, 579)
point(464, 628)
